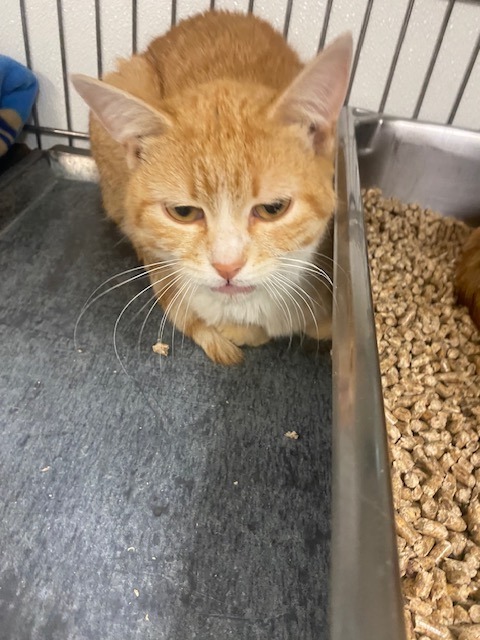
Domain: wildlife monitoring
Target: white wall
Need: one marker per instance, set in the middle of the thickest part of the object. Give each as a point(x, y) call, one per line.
point(307, 18)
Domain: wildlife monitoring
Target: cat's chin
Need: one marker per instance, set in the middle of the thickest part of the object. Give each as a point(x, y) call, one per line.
point(233, 290)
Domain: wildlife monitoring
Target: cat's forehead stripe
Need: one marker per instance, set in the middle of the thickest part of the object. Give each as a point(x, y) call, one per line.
point(229, 178)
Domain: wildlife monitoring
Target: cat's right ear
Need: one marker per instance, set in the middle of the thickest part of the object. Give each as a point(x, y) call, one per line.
point(125, 117)
point(315, 97)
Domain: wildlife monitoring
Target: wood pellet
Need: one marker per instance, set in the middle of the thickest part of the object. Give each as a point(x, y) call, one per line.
point(429, 353)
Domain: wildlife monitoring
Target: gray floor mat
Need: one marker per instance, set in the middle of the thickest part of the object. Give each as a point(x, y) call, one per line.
point(162, 501)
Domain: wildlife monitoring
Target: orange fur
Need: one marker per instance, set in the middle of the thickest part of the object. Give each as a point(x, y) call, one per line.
point(468, 276)
point(224, 121)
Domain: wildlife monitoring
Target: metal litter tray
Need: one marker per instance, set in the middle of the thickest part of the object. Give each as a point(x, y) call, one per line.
point(149, 498)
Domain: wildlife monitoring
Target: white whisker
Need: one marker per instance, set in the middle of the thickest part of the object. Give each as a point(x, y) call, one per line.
point(283, 283)
point(115, 328)
point(300, 292)
point(174, 323)
point(163, 322)
point(169, 275)
point(144, 323)
point(168, 307)
point(275, 297)
point(325, 257)
point(94, 298)
point(311, 267)
point(154, 297)
point(288, 315)
point(302, 273)
point(192, 293)
point(119, 317)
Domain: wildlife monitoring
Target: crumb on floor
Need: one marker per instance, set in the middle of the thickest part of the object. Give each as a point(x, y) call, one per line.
point(293, 435)
point(161, 348)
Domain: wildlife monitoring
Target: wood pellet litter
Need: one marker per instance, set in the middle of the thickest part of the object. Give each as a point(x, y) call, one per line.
point(161, 348)
point(430, 365)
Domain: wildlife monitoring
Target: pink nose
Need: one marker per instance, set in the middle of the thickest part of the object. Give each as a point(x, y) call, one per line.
point(228, 271)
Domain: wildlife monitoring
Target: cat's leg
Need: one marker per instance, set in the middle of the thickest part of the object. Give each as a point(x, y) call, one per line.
point(217, 346)
point(245, 335)
point(315, 334)
point(320, 331)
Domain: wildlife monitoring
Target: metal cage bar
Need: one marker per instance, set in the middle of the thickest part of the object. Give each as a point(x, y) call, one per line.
point(464, 82)
point(433, 59)
point(28, 59)
point(358, 50)
point(98, 35)
point(70, 133)
point(288, 16)
point(52, 131)
point(326, 20)
point(134, 26)
point(63, 55)
point(396, 54)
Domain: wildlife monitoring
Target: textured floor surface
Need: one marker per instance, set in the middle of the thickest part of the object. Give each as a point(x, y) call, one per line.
point(152, 497)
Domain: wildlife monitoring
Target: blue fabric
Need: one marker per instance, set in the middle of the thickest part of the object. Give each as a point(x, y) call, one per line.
point(5, 126)
point(5, 140)
point(18, 87)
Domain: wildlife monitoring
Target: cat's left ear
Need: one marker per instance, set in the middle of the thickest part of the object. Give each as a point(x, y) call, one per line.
point(314, 99)
point(125, 117)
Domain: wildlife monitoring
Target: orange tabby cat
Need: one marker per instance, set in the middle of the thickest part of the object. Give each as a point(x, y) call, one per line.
point(215, 154)
point(468, 276)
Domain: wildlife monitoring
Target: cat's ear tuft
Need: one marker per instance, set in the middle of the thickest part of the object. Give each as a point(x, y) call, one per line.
point(314, 99)
point(125, 117)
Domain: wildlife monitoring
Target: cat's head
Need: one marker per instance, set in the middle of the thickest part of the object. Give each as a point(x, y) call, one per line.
point(229, 178)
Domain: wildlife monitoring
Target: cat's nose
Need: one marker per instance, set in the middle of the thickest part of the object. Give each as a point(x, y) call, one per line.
point(230, 270)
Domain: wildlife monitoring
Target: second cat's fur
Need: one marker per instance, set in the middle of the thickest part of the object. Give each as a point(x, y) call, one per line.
point(468, 276)
point(215, 154)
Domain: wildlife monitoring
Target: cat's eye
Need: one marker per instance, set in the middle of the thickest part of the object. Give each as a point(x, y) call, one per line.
point(271, 211)
point(185, 213)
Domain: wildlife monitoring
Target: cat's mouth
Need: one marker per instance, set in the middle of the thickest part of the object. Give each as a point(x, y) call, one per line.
point(232, 289)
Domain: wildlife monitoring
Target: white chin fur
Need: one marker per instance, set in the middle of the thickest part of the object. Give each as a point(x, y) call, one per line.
point(256, 308)
point(277, 313)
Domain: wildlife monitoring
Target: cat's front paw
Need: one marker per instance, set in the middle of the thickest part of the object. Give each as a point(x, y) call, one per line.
point(244, 335)
point(217, 347)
